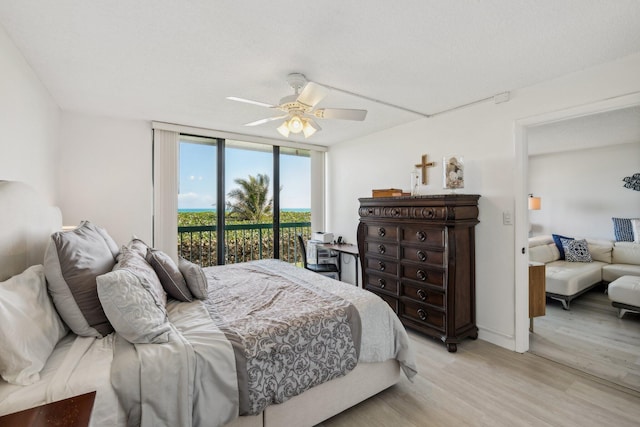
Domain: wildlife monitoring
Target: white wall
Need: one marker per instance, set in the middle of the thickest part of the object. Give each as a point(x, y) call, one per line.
point(582, 190)
point(29, 120)
point(105, 174)
point(483, 134)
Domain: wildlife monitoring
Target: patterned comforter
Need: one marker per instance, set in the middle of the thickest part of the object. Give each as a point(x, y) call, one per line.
point(267, 332)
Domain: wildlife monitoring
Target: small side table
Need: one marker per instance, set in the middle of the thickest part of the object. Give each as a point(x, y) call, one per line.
point(537, 292)
point(72, 412)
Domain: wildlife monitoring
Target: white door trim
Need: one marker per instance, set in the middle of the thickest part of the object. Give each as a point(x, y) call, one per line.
point(521, 267)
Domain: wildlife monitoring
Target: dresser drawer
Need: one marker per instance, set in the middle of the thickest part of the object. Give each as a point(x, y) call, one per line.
point(422, 314)
point(385, 232)
point(422, 255)
point(382, 283)
point(388, 267)
point(421, 294)
point(418, 233)
point(382, 248)
point(423, 275)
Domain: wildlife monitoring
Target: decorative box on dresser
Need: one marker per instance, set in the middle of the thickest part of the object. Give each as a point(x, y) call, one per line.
point(418, 254)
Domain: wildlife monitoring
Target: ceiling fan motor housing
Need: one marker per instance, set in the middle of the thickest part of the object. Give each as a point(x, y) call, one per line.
point(296, 81)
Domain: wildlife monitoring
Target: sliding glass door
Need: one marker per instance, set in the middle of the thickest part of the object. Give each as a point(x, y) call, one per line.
point(228, 210)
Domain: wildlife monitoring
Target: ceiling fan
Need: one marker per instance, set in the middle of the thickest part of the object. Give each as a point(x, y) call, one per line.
point(300, 108)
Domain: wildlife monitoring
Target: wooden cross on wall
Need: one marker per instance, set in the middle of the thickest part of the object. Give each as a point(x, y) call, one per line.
point(423, 166)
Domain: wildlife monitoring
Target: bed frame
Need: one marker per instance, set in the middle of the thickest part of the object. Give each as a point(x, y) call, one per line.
point(26, 222)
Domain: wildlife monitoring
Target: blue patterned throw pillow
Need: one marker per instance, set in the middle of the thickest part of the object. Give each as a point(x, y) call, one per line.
point(576, 250)
point(622, 229)
point(557, 239)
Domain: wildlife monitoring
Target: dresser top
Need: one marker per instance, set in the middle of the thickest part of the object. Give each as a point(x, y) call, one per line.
point(423, 200)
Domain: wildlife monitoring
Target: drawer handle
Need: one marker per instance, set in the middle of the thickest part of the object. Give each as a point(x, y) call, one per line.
point(381, 231)
point(421, 235)
point(382, 265)
point(422, 294)
point(422, 314)
point(382, 283)
point(370, 211)
point(381, 249)
point(421, 275)
point(421, 256)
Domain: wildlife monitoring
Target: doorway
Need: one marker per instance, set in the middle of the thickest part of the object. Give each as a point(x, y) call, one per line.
point(522, 132)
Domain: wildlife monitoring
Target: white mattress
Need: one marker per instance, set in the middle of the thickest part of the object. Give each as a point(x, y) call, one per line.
point(77, 365)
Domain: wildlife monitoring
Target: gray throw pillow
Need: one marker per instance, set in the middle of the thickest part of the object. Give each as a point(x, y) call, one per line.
point(172, 280)
point(132, 309)
point(72, 262)
point(195, 278)
point(130, 259)
point(138, 246)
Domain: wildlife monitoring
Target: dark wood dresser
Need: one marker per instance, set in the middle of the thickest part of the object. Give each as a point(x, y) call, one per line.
point(418, 254)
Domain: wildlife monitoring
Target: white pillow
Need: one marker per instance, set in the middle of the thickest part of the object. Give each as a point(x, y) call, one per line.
point(635, 226)
point(30, 326)
point(132, 309)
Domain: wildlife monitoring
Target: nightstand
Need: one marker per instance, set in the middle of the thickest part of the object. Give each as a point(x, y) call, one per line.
point(537, 292)
point(72, 412)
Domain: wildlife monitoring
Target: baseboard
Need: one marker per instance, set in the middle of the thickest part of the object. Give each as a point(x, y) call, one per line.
point(498, 338)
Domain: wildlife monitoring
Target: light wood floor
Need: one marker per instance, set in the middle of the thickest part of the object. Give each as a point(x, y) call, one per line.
point(486, 385)
point(590, 337)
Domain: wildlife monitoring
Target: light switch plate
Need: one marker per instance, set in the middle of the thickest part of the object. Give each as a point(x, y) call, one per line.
point(506, 218)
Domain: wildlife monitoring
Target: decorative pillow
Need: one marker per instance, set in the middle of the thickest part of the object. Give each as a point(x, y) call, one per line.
point(72, 262)
point(132, 309)
point(576, 250)
point(138, 246)
point(172, 280)
point(130, 259)
point(622, 229)
point(29, 326)
point(195, 278)
point(558, 241)
point(635, 226)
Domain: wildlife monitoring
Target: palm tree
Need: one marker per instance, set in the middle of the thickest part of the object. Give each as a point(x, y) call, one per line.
point(249, 202)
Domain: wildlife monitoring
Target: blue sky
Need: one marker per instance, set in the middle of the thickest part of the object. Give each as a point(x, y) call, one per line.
point(198, 175)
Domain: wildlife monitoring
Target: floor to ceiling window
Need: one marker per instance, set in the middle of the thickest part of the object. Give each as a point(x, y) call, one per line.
point(295, 201)
point(198, 199)
point(228, 210)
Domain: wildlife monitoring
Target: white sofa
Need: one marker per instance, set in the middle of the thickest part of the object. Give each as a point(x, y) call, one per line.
point(568, 280)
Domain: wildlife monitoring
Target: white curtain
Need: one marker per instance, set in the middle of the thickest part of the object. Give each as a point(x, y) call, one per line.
point(165, 191)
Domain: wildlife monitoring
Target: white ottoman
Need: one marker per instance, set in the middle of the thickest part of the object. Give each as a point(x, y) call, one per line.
point(624, 294)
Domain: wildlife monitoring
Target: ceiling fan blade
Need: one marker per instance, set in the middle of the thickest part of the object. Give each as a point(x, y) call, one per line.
point(312, 94)
point(340, 113)
point(249, 101)
point(267, 120)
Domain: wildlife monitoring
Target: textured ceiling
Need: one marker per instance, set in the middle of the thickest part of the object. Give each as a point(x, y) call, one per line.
point(615, 127)
point(176, 61)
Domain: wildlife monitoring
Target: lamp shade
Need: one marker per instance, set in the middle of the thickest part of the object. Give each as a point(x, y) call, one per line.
point(535, 203)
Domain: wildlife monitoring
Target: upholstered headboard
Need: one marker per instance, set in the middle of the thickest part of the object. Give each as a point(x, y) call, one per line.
point(26, 222)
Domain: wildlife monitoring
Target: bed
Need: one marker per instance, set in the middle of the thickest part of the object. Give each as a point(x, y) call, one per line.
point(196, 375)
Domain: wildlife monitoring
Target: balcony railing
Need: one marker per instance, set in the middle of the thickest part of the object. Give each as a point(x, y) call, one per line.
point(243, 242)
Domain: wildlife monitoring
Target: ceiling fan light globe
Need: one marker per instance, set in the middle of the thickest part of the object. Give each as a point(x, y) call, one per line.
point(308, 131)
point(295, 124)
point(284, 129)
point(310, 127)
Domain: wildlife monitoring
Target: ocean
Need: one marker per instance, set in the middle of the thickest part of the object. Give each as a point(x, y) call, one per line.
point(213, 210)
